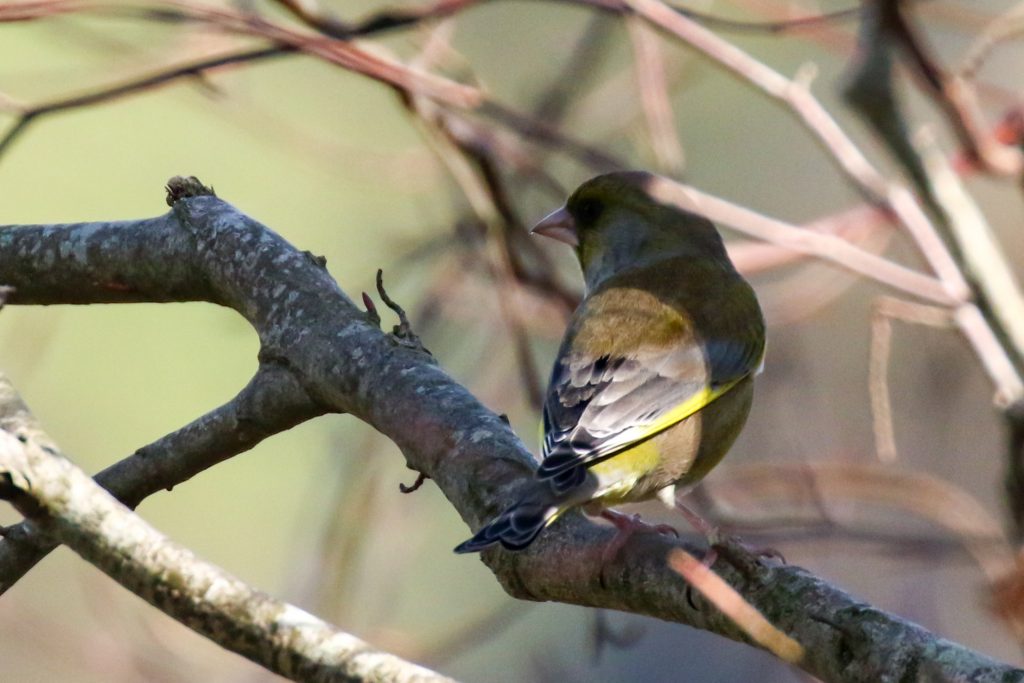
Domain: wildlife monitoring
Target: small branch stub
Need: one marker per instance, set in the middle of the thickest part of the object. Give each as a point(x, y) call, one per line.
point(182, 187)
point(371, 311)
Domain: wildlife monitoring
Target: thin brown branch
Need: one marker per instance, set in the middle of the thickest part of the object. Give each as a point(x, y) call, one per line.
point(390, 19)
point(887, 309)
point(823, 245)
point(995, 31)
point(955, 95)
point(793, 485)
point(797, 96)
point(30, 114)
point(649, 69)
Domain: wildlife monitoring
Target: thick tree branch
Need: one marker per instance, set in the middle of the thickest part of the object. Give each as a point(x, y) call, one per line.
point(347, 364)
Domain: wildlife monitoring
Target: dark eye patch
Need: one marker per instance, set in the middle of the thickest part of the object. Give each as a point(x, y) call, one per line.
point(588, 210)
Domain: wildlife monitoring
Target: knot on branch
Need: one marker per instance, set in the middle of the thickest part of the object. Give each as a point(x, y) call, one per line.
point(316, 259)
point(180, 187)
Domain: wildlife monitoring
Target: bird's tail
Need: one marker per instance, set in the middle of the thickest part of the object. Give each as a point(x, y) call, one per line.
point(515, 528)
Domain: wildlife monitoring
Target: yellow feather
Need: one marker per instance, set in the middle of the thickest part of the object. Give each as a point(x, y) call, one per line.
point(687, 408)
point(620, 473)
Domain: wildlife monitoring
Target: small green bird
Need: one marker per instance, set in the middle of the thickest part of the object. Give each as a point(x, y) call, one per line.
point(653, 380)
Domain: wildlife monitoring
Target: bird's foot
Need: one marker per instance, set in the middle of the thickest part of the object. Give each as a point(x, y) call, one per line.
point(717, 540)
point(627, 525)
point(746, 558)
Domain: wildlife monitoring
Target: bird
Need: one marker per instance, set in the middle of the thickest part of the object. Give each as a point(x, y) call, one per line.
point(653, 380)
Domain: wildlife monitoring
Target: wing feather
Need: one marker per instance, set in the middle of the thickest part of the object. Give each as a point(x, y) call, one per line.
point(597, 407)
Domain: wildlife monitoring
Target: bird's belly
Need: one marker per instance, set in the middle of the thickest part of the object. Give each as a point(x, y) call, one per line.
point(621, 477)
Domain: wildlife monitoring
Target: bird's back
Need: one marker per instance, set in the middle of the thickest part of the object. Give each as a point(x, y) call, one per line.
point(654, 364)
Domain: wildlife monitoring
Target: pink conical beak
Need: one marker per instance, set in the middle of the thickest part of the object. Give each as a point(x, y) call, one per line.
point(558, 225)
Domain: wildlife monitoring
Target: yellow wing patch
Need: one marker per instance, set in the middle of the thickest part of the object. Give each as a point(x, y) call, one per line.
point(687, 408)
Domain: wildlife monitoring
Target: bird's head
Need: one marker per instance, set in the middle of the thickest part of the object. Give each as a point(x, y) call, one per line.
point(623, 220)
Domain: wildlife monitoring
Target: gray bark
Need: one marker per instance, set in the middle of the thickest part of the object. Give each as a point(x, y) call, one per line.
point(328, 356)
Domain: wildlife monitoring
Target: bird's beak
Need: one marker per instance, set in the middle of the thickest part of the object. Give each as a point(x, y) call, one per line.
point(558, 225)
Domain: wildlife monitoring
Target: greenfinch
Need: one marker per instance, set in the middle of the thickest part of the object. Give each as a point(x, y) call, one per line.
point(654, 377)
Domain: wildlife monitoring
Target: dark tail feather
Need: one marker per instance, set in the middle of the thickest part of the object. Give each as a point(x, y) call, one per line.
point(563, 472)
point(515, 528)
point(556, 463)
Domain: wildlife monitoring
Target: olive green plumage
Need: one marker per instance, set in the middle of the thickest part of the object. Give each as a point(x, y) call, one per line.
point(653, 380)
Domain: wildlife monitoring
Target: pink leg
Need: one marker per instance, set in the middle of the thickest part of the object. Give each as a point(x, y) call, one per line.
point(702, 526)
point(715, 538)
point(706, 529)
point(627, 525)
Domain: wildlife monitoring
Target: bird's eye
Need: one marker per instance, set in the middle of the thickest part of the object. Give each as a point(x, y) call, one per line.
point(589, 210)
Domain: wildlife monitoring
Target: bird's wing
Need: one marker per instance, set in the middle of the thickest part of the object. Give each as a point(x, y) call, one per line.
point(598, 407)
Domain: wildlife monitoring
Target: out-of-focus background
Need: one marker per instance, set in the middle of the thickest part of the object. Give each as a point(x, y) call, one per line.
point(334, 162)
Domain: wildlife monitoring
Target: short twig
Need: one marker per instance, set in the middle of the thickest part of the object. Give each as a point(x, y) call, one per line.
point(734, 606)
point(403, 330)
point(420, 478)
point(886, 310)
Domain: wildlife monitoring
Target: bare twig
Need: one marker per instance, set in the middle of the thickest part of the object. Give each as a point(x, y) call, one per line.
point(649, 68)
point(421, 478)
point(30, 114)
point(403, 330)
point(956, 94)
point(887, 309)
point(1006, 26)
point(823, 245)
point(984, 259)
point(796, 95)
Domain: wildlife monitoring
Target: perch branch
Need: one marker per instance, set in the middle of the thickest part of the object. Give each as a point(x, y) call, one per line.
point(348, 364)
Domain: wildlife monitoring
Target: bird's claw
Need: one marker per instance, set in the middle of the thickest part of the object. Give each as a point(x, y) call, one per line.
point(626, 526)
